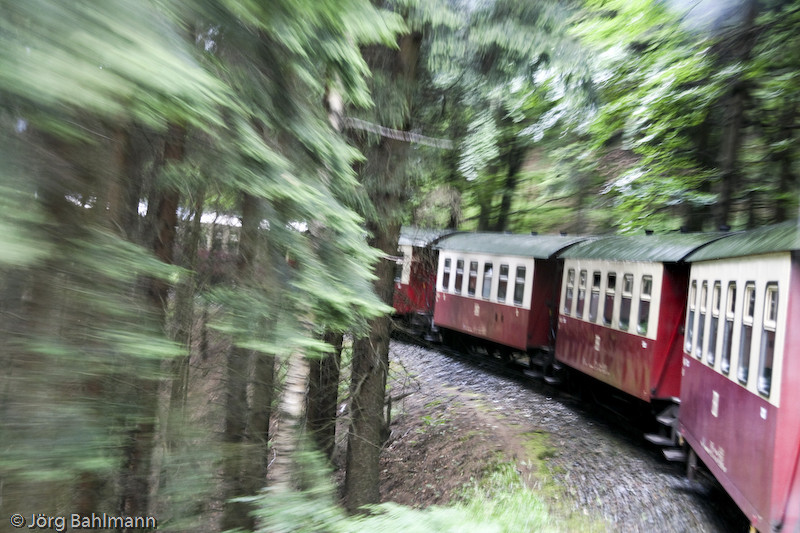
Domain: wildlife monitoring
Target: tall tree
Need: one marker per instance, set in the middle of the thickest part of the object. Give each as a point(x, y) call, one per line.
point(86, 326)
point(384, 178)
point(493, 65)
point(64, 88)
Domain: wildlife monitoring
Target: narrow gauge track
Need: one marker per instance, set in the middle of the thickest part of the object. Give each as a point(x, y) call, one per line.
point(604, 463)
point(580, 392)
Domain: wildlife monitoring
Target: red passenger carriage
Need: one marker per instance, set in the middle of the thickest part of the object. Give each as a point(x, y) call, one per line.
point(415, 275)
point(501, 288)
point(621, 311)
point(740, 396)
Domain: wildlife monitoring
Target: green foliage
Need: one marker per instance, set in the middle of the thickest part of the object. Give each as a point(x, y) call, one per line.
point(116, 60)
point(68, 396)
point(649, 129)
point(84, 84)
point(499, 503)
point(503, 498)
point(487, 78)
point(657, 88)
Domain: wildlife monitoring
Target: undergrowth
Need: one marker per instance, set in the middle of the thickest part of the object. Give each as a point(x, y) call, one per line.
point(499, 502)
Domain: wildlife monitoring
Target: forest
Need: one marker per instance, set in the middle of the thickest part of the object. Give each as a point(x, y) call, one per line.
point(201, 202)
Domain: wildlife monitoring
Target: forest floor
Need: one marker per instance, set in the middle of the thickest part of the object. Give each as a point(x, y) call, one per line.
point(457, 422)
point(442, 439)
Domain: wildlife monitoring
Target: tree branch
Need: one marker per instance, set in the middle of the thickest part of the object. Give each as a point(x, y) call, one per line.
point(398, 135)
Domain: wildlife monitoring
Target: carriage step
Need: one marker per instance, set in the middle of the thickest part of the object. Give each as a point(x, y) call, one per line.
point(667, 419)
point(676, 455)
point(660, 440)
point(536, 374)
point(553, 380)
point(668, 416)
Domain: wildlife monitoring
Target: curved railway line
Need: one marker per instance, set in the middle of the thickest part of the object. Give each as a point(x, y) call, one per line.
point(602, 465)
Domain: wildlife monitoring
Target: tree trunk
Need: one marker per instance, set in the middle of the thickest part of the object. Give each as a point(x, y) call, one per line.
point(729, 168)
point(323, 395)
point(787, 179)
point(695, 217)
point(184, 319)
point(516, 157)
point(485, 213)
point(367, 390)
point(734, 110)
point(262, 385)
point(290, 412)
point(236, 514)
point(580, 204)
point(135, 479)
point(389, 159)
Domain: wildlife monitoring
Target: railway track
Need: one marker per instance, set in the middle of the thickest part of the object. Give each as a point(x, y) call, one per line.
point(574, 389)
point(602, 462)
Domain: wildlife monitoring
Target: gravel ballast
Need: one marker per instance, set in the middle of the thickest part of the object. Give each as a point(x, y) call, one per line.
point(601, 469)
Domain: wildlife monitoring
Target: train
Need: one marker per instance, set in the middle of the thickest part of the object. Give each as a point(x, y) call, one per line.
point(703, 329)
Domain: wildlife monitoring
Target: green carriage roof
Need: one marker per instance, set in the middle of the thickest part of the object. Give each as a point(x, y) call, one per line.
point(420, 237)
point(769, 239)
point(664, 248)
point(536, 246)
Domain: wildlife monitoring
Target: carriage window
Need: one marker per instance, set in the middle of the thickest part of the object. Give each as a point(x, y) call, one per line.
point(716, 294)
point(644, 304)
point(446, 275)
point(608, 306)
point(625, 306)
point(473, 278)
point(595, 299)
point(459, 275)
point(519, 285)
point(727, 339)
point(581, 294)
point(398, 271)
point(747, 331)
point(570, 290)
point(701, 325)
point(502, 283)
point(487, 280)
point(768, 339)
point(687, 347)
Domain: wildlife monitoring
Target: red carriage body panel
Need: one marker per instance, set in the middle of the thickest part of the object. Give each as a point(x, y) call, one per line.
point(542, 316)
point(645, 367)
point(740, 408)
point(499, 323)
point(736, 444)
point(500, 287)
point(415, 278)
point(417, 295)
point(621, 311)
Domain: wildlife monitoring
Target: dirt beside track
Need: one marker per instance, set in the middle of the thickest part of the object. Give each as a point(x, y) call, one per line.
point(459, 420)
